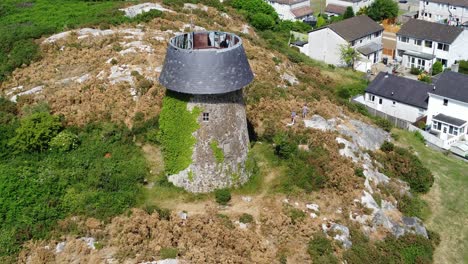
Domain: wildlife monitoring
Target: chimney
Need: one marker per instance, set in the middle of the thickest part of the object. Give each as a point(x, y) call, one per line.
point(393, 93)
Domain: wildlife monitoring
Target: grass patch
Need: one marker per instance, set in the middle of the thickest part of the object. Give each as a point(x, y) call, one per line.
point(168, 253)
point(449, 205)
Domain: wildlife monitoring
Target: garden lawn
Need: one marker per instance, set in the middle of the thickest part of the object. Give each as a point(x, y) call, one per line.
point(448, 200)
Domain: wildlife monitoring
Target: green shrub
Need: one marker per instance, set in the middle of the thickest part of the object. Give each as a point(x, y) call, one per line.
point(35, 132)
point(437, 68)
point(7, 106)
point(176, 125)
point(383, 9)
point(405, 165)
point(419, 136)
point(387, 146)
point(262, 21)
point(320, 249)
point(147, 16)
point(64, 141)
point(168, 253)
point(222, 196)
point(383, 123)
point(463, 67)
point(284, 147)
point(413, 206)
point(246, 218)
point(359, 172)
point(296, 215)
point(217, 151)
point(344, 93)
point(415, 71)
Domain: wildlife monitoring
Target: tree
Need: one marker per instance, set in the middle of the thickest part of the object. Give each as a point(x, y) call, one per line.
point(262, 21)
point(437, 68)
point(35, 132)
point(348, 55)
point(349, 13)
point(363, 11)
point(383, 9)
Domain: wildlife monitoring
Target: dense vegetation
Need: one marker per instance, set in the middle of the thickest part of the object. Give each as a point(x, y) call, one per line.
point(176, 125)
point(306, 169)
point(99, 177)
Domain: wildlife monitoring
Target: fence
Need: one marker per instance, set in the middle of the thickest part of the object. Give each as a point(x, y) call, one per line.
point(397, 122)
point(431, 139)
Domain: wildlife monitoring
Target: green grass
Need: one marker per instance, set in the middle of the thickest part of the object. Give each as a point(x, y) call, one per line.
point(448, 200)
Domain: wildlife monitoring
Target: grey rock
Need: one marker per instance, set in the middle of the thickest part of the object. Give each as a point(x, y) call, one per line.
point(414, 225)
point(319, 122)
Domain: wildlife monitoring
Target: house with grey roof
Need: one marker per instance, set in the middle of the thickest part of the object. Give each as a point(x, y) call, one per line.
point(451, 12)
point(360, 32)
point(294, 10)
point(447, 114)
point(421, 43)
point(443, 104)
point(335, 10)
point(397, 96)
point(355, 4)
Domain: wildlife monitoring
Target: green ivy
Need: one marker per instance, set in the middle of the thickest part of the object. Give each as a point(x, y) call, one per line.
point(176, 125)
point(217, 151)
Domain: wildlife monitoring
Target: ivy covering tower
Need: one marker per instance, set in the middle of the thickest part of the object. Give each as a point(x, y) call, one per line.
point(203, 125)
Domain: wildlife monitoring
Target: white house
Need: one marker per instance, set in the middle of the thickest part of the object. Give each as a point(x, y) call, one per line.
point(355, 4)
point(360, 32)
point(420, 43)
point(292, 9)
point(398, 96)
point(452, 12)
point(335, 10)
point(447, 114)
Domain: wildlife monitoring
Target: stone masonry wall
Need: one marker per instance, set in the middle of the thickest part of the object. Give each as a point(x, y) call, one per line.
point(227, 125)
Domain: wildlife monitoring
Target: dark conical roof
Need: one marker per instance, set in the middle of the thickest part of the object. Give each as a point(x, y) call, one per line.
point(205, 63)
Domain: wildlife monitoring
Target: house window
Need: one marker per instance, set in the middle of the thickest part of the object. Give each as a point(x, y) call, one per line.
point(427, 3)
point(445, 101)
point(352, 43)
point(206, 116)
point(442, 46)
point(428, 44)
point(445, 130)
point(443, 61)
point(394, 103)
point(430, 15)
point(372, 98)
point(455, 131)
point(450, 129)
point(404, 39)
point(418, 42)
point(380, 101)
point(462, 130)
point(439, 126)
point(434, 125)
point(377, 34)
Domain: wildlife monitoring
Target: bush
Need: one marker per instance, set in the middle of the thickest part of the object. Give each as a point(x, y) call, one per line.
point(419, 136)
point(405, 165)
point(413, 206)
point(222, 196)
point(168, 253)
point(463, 67)
point(262, 21)
point(344, 93)
point(296, 215)
point(359, 172)
point(437, 68)
point(383, 123)
point(415, 71)
point(64, 141)
point(424, 78)
point(387, 146)
point(147, 16)
point(246, 218)
point(284, 147)
point(35, 132)
point(320, 249)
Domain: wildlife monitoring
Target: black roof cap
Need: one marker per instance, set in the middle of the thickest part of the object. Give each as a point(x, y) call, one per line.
point(449, 120)
point(400, 89)
point(354, 28)
point(421, 29)
point(452, 85)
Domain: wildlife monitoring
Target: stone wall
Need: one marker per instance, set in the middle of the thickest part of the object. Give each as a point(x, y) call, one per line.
point(227, 125)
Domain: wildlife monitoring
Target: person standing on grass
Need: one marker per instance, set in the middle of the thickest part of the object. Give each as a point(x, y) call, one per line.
point(293, 117)
point(305, 110)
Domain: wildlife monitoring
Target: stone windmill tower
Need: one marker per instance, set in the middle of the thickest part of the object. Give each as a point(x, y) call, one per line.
point(211, 68)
